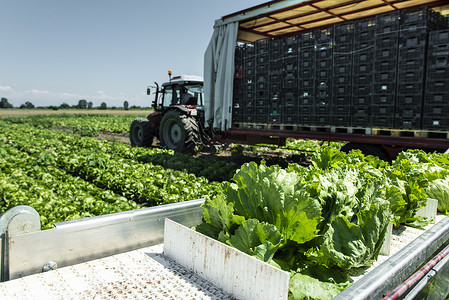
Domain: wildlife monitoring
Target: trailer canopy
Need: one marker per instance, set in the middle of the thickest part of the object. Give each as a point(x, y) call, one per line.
point(276, 19)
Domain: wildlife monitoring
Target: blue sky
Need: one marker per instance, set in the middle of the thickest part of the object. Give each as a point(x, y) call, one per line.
point(55, 51)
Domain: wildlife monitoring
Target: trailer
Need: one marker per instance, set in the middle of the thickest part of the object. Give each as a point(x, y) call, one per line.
point(370, 73)
point(152, 253)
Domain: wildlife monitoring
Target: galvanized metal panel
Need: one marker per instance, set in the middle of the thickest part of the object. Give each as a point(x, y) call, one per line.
point(87, 239)
point(235, 272)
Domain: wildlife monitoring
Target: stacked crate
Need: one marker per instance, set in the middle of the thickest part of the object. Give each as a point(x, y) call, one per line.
point(436, 104)
point(363, 72)
point(342, 73)
point(306, 79)
point(385, 69)
point(414, 30)
point(239, 85)
point(323, 76)
point(289, 92)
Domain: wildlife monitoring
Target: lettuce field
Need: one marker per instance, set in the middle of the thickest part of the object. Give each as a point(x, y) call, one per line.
point(318, 220)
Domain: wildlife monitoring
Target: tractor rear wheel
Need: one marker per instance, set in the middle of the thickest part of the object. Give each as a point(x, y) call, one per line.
point(179, 132)
point(141, 133)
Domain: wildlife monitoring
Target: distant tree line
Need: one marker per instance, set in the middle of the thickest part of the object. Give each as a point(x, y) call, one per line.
point(82, 104)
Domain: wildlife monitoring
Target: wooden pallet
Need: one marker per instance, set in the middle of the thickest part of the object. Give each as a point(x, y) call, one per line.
point(347, 130)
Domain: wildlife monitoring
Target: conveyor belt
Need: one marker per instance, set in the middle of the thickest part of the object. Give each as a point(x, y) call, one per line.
point(140, 274)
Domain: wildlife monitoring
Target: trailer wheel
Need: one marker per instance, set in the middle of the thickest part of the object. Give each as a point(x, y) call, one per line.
point(141, 133)
point(179, 132)
point(367, 149)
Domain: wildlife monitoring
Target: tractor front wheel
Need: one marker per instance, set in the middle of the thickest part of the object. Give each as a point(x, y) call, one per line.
point(179, 132)
point(141, 133)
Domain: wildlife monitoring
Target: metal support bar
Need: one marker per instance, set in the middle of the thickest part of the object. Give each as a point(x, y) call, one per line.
point(82, 240)
point(15, 221)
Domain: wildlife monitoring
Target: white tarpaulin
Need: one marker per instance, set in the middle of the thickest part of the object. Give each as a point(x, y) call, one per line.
point(219, 75)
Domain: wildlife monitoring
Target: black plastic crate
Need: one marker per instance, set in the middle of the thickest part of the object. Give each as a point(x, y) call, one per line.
point(362, 88)
point(306, 101)
point(344, 33)
point(323, 120)
point(323, 110)
point(366, 68)
point(306, 92)
point(363, 78)
point(306, 64)
point(290, 80)
point(412, 99)
point(385, 76)
point(343, 68)
point(364, 57)
point(364, 45)
point(323, 36)
point(387, 41)
point(439, 60)
point(365, 29)
point(262, 82)
point(342, 48)
point(411, 64)
point(438, 86)
point(439, 37)
point(386, 54)
point(386, 65)
point(342, 59)
point(323, 53)
point(248, 118)
point(275, 86)
point(249, 50)
point(410, 88)
point(307, 54)
point(437, 98)
point(437, 74)
point(435, 123)
point(290, 64)
point(362, 100)
point(261, 101)
point(341, 110)
point(306, 83)
point(307, 40)
point(342, 80)
point(323, 74)
point(361, 110)
point(263, 68)
point(385, 87)
point(249, 62)
point(361, 121)
point(411, 76)
point(306, 120)
point(422, 15)
point(384, 99)
point(388, 23)
point(407, 123)
point(408, 112)
point(437, 110)
point(412, 52)
point(261, 118)
point(290, 118)
point(248, 109)
point(341, 99)
point(262, 46)
point(409, 39)
point(306, 110)
point(343, 121)
point(383, 110)
point(382, 121)
point(290, 94)
point(290, 46)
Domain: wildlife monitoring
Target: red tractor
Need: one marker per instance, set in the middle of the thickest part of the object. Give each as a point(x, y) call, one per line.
point(178, 117)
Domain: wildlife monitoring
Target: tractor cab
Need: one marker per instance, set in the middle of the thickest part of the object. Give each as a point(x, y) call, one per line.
point(183, 90)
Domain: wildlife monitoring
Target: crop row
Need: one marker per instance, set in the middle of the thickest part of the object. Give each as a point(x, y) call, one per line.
point(109, 165)
point(57, 196)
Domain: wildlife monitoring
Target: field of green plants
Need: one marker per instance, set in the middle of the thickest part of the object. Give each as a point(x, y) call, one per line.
point(319, 221)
